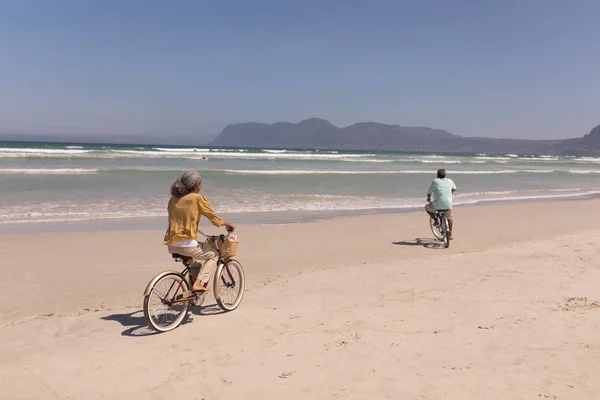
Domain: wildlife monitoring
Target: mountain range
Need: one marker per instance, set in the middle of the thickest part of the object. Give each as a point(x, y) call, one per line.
point(316, 133)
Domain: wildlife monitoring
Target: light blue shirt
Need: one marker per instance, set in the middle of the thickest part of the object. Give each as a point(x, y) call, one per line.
point(441, 189)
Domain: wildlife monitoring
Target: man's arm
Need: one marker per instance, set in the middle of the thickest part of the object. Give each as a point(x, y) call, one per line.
point(453, 187)
point(429, 192)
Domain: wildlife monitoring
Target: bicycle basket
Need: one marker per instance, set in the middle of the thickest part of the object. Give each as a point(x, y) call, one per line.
point(228, 247)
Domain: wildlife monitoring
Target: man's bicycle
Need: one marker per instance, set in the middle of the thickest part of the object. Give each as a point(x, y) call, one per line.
point(442, 231)
point(164, 304)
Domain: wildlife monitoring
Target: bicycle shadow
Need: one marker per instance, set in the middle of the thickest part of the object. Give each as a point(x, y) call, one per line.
point(211, 309)
point(136, 323)
point(432, 244)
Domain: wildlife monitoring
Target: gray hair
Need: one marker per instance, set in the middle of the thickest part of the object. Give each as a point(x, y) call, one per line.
point(186, 183)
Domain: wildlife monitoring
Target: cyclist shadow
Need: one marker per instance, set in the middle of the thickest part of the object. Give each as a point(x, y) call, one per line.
point(136, 323)
point(427, 243)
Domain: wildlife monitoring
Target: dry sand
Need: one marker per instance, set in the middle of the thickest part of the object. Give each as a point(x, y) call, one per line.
point(351, 308)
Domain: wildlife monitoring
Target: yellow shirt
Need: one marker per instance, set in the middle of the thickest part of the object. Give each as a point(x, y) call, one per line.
point(184, 216)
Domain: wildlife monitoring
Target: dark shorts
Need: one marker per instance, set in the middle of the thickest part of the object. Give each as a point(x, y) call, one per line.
point(448, 213)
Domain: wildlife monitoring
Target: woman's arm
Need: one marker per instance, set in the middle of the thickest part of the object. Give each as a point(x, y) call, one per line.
point(207, 211)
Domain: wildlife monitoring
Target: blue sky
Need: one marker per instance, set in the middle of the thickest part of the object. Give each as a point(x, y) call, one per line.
point(501, 68)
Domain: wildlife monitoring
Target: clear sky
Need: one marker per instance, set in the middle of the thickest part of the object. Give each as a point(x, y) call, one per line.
point(501, 68)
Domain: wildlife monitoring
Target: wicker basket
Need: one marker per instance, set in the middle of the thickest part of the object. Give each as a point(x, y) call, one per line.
point(228, 248)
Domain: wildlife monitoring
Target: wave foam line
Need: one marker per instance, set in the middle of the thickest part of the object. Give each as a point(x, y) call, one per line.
point(48, 171)
point(535, 197)
point(334, 203)
point(383, 172)
point(176, 150)
point(583, 171)
point(33, 151)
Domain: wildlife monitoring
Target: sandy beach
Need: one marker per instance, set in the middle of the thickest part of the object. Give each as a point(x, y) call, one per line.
point(351, 308)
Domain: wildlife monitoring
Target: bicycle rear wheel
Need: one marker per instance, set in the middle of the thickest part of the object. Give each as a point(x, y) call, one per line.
point(436, 231)
point(162, 309)
point(446, 233)
point(229, 285)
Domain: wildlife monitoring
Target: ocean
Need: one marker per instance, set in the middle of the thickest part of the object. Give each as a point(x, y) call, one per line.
point(63, 183)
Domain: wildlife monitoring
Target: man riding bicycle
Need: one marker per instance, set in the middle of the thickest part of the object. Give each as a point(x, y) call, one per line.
point(442, 189)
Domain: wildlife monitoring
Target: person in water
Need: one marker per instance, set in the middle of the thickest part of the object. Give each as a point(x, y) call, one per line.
point(442, 189)
point(185, 209)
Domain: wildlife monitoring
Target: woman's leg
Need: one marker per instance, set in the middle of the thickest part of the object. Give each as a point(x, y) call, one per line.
point(203, 256)
point(209, 256)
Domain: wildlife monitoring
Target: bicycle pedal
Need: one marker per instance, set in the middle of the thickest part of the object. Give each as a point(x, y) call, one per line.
point(199, 299)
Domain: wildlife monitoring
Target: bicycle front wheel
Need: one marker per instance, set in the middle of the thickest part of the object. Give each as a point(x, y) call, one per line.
point(163, 308)
point(436, 231)
point(229, 285)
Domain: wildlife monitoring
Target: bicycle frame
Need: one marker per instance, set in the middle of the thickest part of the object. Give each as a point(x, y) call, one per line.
point(169, 294)
point(443, 226)
point(185, 272)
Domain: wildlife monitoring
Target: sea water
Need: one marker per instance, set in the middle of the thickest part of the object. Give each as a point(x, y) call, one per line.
point(50, 182)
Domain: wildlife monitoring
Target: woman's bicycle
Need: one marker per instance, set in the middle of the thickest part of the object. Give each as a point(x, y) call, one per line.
point(164, 304)
point(442, 231)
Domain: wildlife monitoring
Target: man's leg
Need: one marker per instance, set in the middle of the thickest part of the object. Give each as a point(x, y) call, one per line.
point(450, 216)
point(431, 211)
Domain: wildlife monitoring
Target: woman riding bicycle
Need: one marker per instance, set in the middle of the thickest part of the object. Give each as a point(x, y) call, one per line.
point(185, 208)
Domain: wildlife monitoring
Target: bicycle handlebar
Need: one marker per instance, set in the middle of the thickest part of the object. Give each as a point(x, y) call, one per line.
point(214, 236)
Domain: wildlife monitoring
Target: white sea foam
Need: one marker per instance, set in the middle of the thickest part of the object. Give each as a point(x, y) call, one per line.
point(582, 171)
point(379, 172)
point(75, 216)
point(231, 150)
point(185, 153)
point(539, 159)
point(178, 150)
point(8, 152)
point(492, 158)
point(278, 203)
point(235, 155)
point(367, 160)
point(440, 161)
point(529, 197)
point(48, 171)
point(41, 151)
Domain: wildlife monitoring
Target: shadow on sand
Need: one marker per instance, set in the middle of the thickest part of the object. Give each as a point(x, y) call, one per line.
point(136, 323)
point(427, 243)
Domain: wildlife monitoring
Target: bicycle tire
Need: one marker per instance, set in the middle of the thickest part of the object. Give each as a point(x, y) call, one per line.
point(436, 231)
point(229, 277)
point(172, 281)
point(446, 233)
